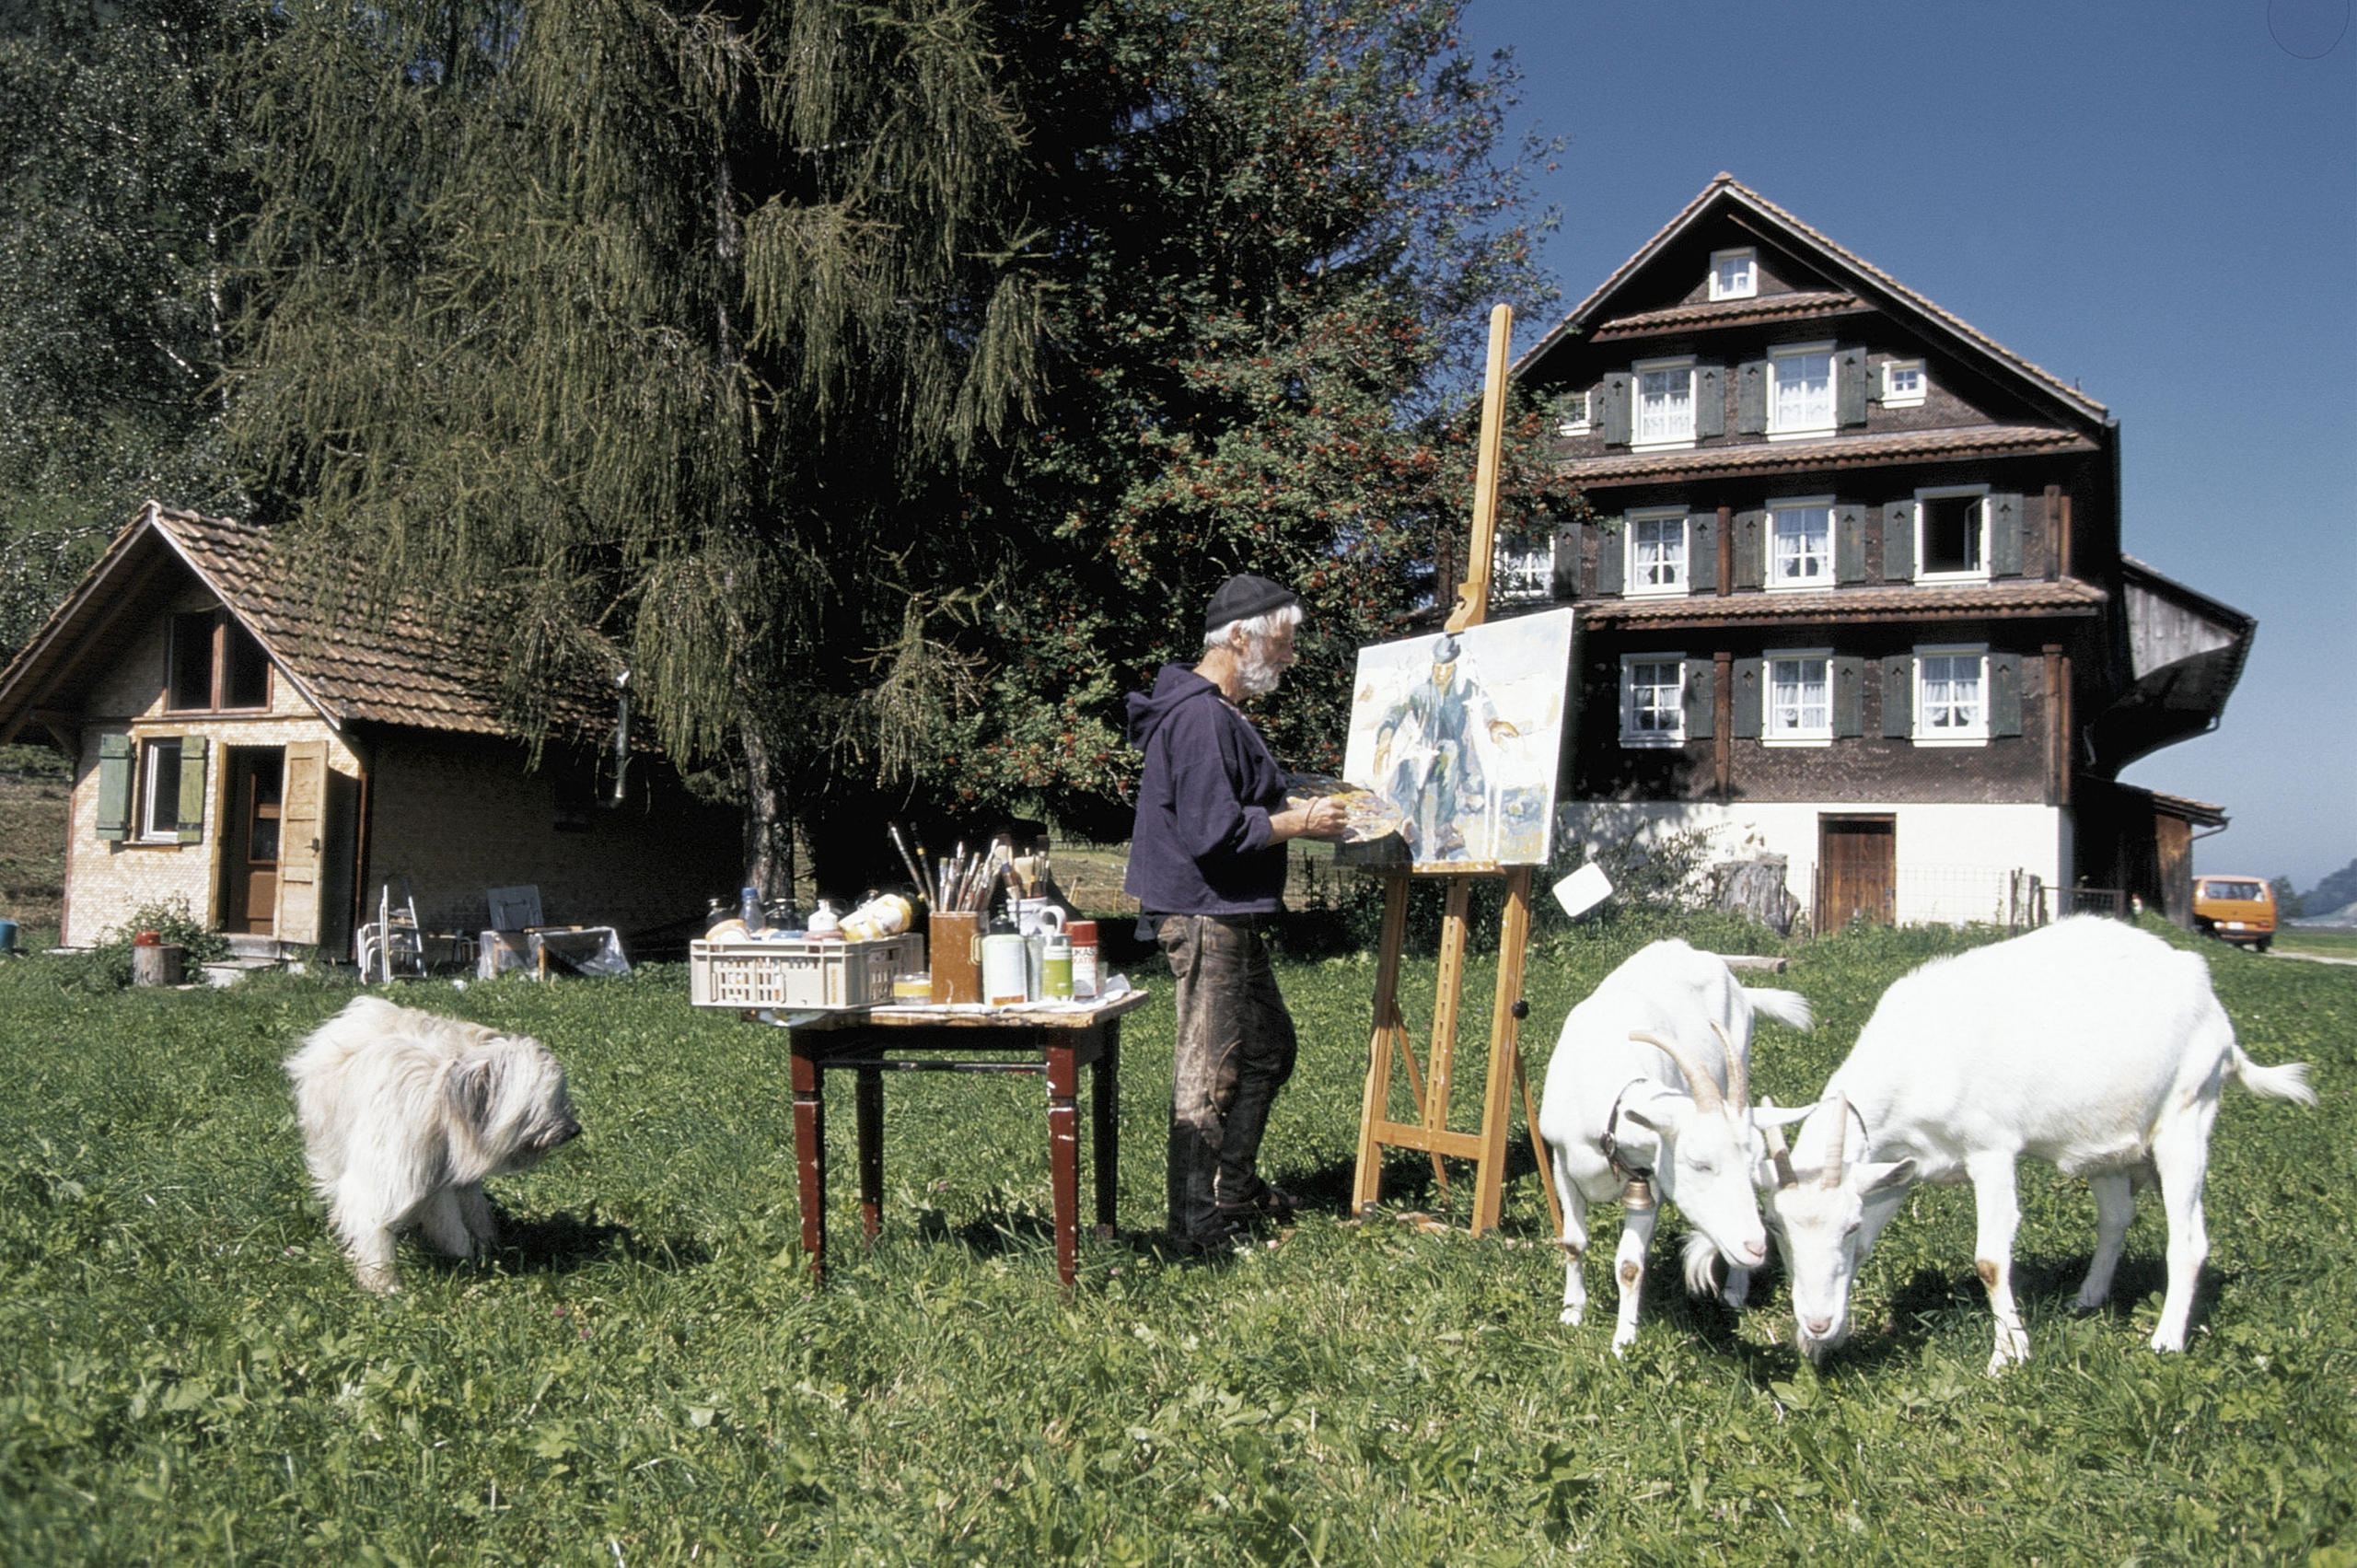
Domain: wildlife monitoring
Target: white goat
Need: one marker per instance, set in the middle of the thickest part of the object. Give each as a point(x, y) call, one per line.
point(2088, 1044)
point(1648, 1092)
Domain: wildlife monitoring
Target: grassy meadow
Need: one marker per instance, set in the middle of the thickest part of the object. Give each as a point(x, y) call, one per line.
point(646, 1376)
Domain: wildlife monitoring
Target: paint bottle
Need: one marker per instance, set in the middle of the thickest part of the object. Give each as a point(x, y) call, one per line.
point(748, 908)
point(887, 915)
point(1084, 959)
point(1055, 968)
point(1004, 965)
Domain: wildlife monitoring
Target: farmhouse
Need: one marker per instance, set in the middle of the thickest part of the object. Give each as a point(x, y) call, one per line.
point(1851, 587)
point(274, 769)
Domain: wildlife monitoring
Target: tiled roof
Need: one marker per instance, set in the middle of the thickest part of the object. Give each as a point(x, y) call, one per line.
point(1865, 277)
point(1901, 601)
point(1728, 312)
point(1835, 452)
point(400, 668)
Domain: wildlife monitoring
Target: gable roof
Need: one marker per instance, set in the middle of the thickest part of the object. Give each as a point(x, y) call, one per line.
point(396, 669)
point(1856, 276)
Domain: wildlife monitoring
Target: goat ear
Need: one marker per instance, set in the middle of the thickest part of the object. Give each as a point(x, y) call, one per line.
point(1873, 1179)
point(1768, 1113)
point(1664, 1111)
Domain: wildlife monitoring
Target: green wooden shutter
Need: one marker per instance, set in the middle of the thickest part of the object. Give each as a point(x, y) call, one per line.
point(1750, 549)
point(191, 814)
point(2004, 535)
point(1848, 682)
point(1611, 555)
point(1751, 398)
point(1703, 551)
point(1849, 544)
point(1567, 561)
point(1747, 708)
point(114, 786)
point(1899, 696)
point(1615, 421)
point(1702, 698)
point(1709, 400)
point(1850, 386)
point(1898, 541)
point(2004, 694)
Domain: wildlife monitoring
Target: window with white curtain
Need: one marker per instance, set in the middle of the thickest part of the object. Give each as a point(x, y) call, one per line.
point(1801, 543)
point(1951, 694)
point(1735, 274)
point(1657, 553)
point(1665, 403)
point(1800, 390)
point(1653, 699)
point(1799, 696)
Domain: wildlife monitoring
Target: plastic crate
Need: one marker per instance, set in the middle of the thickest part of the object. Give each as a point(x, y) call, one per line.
point(800, 974)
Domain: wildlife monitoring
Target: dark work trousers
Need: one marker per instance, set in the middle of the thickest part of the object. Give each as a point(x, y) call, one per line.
point(1236, 1049)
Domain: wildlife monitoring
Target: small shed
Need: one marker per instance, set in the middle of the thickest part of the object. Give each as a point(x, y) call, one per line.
point(236, 749)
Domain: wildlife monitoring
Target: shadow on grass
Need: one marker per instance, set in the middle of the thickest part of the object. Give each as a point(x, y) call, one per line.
point(563, 1243)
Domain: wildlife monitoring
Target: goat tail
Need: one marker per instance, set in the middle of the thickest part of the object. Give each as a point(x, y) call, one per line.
point(2288, 1082)
point(1785, 1007)
point(1702, 1265)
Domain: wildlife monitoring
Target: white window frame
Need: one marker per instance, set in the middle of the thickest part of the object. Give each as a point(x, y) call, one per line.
point(1796, 504)
point(1632, 574)
point(1800, 735)
point(169, 829)
point(1521, 575)
point(1569, 423)
point(1777, 429)
point(1891, 398)
point(1638, 442)
point(1975, 734)
point(1923, 498)
point(1633, 737)
point(1723, 263)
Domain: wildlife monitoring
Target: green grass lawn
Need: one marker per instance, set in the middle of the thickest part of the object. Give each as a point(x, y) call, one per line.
point(2324, 942)
point(646, 1376)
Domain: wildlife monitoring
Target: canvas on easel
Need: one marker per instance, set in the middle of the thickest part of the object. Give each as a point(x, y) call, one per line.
point(1459, 732)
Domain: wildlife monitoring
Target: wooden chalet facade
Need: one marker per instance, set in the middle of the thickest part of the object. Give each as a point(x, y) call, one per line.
point(1850, 587)
point(274, 771)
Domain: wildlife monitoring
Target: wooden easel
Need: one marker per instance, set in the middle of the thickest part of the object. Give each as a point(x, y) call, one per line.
point(1430, 1132)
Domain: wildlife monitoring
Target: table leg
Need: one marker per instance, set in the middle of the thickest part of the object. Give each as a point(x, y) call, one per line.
point(810, 1157)
point(1063, 1153)
point(869, 1109)
point(1105, 1123)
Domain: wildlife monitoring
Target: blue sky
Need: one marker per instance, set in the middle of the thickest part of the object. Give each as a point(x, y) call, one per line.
point(2156, 199)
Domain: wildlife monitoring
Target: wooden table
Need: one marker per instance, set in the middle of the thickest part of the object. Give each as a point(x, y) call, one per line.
point(1053, 1042)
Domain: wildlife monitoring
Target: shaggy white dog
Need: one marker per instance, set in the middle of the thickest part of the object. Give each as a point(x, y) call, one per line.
point(404, 1114)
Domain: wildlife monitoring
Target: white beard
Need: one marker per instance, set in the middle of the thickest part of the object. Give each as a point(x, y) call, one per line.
point(404, 1114)
point(1256, 673)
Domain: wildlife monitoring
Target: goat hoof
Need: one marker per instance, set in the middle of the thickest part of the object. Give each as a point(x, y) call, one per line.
point(1571, 1315)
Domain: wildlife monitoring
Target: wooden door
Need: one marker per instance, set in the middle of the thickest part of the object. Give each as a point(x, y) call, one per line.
point(256, 785)
point(301, 833)
point(1857, 871)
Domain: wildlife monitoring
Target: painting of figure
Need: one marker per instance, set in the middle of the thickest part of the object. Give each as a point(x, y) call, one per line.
point(1459, 733)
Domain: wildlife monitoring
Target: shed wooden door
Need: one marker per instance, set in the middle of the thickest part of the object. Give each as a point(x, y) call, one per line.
point(1857, 871)
point(302, 830)
point(257, 776)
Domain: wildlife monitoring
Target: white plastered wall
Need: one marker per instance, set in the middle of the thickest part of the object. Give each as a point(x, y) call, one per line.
point(1955, 861)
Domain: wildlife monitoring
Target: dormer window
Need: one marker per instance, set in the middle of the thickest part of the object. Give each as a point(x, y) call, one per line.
point(1735, 274)
point(1664, 402)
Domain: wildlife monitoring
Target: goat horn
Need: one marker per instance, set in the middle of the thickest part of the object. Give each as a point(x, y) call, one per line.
point(1701, 1085)
point(1779, 1150)
point(1738, 1070)
point(1831, 1175)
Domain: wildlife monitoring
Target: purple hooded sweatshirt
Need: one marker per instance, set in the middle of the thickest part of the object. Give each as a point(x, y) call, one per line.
point(1202, 842)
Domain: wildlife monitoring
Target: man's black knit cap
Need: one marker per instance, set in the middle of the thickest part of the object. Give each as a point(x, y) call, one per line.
point(1241, 598)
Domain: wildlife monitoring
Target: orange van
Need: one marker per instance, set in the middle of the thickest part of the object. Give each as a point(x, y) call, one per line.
point(2236, 909)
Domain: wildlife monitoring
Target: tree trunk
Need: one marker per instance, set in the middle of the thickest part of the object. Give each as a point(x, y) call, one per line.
point(768, 831)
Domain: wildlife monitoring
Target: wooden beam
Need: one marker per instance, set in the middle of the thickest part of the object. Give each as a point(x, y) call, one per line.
point(1473, 593)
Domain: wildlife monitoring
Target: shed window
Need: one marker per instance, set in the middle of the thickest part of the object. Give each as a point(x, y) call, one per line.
point(160, 791)
point(215, 665)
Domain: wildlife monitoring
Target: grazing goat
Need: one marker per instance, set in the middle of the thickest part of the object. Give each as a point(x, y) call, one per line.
point(2088, 1044)
point(1648, 1092)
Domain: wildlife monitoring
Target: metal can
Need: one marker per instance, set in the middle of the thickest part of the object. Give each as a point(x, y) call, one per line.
point(1004, 967)
point(1086, 980)
point(1056, 967)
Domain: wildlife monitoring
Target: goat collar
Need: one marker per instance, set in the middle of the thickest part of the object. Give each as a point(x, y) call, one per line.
point(1611, 1145)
